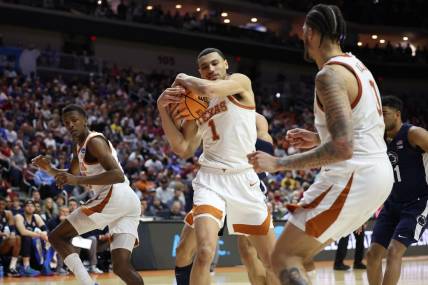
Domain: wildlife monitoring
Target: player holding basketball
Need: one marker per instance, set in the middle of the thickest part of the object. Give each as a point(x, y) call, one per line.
point(356, 176)
point(403, 218)
point(186, 248)
point(96, 160)
point(226, 183)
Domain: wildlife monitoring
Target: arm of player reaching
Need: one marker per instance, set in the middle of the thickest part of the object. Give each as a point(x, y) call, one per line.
point(183, 142)
point(99, 149)
point(332, 91)
point(419, 137)
point(236, 83)
point(44, 162)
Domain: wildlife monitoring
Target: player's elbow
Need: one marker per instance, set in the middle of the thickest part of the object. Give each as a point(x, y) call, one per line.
point(179, 150)
point(343, 148)
point(185, 154)
point(119, 176)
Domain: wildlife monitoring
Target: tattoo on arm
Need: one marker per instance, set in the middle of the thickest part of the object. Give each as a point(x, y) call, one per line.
point(332, 91)
point(292, 276)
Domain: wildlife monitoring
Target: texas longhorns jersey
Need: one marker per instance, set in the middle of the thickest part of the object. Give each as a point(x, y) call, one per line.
point(367, 118)
point(88, 169)
point(229, 133)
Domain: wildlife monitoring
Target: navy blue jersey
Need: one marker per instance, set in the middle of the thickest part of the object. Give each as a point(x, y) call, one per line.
point(268, 148)
point(3, 223)
point(410, 166)
point(30, 226)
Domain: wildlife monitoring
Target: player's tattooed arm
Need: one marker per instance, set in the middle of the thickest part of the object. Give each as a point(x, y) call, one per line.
point(418, 137)
point(331, 90)
point(292, 276)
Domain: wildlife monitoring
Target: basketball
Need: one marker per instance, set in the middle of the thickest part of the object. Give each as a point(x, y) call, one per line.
point(194, 105)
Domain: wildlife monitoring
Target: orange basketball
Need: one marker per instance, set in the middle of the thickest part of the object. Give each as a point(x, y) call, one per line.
point(194, 104)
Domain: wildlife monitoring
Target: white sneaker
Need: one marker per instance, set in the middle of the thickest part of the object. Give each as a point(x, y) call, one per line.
point(94, 269)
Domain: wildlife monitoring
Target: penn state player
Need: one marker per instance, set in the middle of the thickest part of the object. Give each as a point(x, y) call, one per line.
point(186, 248)
point(9, 240)
point(96, 166)
point(31, 227)
point(348, 146)
point(403, 218)
point(226, 183)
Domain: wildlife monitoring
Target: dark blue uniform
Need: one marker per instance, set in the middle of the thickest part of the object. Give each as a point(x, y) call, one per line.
point(3, 224)
point(268, 148)
point(404, 215)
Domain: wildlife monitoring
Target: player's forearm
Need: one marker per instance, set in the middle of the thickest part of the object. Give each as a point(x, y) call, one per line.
point(328, 153)
point(109, 177)
point(174, 137)
point(28, 233)
point(197, 85)
point(54, 171)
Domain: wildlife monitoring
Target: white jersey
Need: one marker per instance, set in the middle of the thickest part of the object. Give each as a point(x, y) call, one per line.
point(367, 119)
point(88, 169)
point(229, 133)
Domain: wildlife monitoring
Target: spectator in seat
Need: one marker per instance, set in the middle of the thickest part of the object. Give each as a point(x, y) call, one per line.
point(10, 243)
point(33, 232)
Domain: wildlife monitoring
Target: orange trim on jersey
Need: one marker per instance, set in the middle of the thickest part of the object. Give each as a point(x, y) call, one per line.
point(99, 207)
point(236, 102)
point(320, 223)
point(360, 86)
point(208, 209)
point(293, 207)
point(189, 217)
point(261, 229)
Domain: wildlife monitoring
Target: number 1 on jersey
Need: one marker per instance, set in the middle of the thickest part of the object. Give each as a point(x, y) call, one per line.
point(214, 133)
point(397, 172)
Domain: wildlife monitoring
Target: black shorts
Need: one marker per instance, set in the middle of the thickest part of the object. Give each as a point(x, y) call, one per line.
point(404, 222)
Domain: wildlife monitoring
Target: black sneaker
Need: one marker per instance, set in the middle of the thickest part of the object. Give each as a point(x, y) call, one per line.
point(13, 273)
point(360, 266)
point(341, 267)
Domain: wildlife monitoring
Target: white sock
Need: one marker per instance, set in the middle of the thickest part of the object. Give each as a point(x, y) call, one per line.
point(74, 263)
point(13, 261)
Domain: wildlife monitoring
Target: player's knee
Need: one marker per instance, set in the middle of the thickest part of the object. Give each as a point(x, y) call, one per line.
point(374, 254)
point(17, 241)
point(121, 268)
point(205, 254)
point(393, 253)
point(54, 238)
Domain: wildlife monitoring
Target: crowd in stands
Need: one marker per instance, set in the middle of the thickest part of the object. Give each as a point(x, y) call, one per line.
point(212, 22)
point(402, 13)
point(120, 103)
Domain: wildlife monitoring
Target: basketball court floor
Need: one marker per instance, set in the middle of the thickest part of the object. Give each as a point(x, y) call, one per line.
point(414, 272)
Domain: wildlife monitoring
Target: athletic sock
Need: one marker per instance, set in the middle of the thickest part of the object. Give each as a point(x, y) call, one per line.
point(13, 261)
point(182, 274)
point(74, 263)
